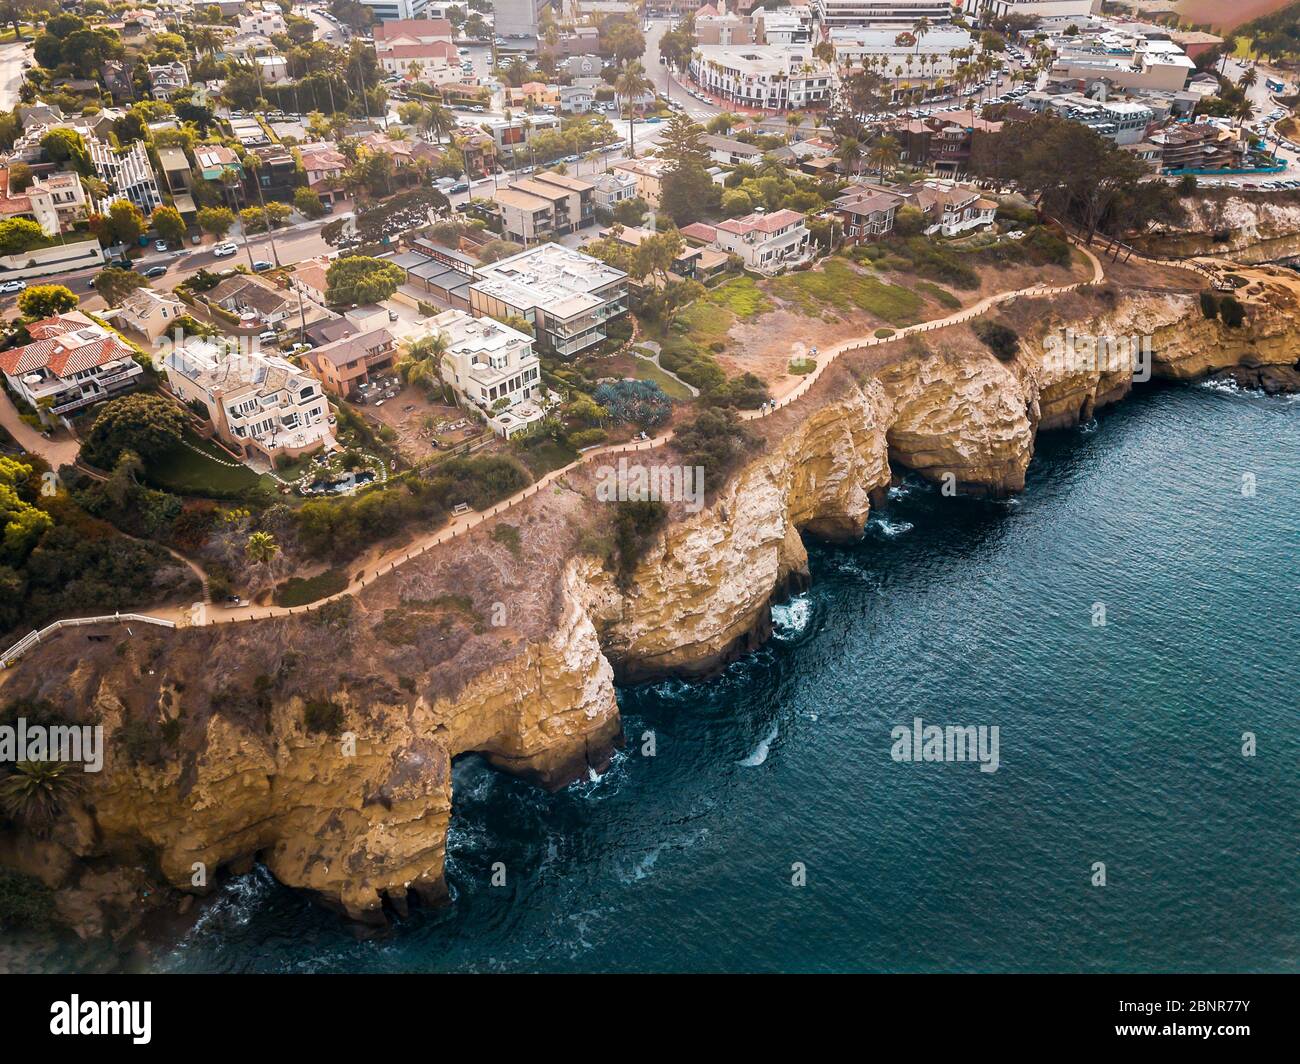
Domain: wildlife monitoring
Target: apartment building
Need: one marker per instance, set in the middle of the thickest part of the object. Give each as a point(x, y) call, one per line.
point(900, 15)
point(261, 405)
point(547, 204)
point(513, 135)
point(493, 367)
point(58, 201)
point(1122, 121)
point(1197, 147)
point(1122, 60)
point(127, 173)
point(774, 77)
point(899, 57)
point(395, 10)
point(566, 296)
point(943, 141)
point(71, 362)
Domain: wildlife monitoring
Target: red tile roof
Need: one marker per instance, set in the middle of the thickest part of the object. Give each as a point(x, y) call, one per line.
point(64, 344)
point(764, 223)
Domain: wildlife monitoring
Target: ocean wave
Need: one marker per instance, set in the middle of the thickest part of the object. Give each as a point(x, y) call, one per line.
point(789, 619)
point(598, 786)
point(887, 528)
point(1089, 427)
point(760, 752)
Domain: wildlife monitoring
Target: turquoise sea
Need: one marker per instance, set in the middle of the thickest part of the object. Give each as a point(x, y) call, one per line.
point(1120, 743)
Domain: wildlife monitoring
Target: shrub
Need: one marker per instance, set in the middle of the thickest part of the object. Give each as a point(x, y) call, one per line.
point(998, 337)
point(321, 715)
point(1209, 305)
point(716, 440)
point(641, 402)
point(25, 902)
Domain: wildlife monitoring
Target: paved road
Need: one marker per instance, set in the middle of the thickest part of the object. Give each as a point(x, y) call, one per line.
point(12, 57)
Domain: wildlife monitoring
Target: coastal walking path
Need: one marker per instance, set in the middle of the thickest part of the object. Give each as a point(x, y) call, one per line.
point(379, 563)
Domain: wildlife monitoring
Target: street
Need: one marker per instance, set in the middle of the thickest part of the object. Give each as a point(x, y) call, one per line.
point(12, 57)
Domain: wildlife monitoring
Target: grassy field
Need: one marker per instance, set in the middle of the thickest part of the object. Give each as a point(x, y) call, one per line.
point(647, 371)
point(941, 296)
point(709, 320)
point(838, 285)
point(184, 472)
point(298, 592)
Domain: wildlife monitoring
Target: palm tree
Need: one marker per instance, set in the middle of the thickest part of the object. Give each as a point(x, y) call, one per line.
point(1248, 78)
point(34, 793)
point(261, 548)
point(792, 121)
point(1244, 112)
point(436, 120)
point(850, 152)
point(920, 29)
point(422, 362)
point(632, 84)
point(884, 153)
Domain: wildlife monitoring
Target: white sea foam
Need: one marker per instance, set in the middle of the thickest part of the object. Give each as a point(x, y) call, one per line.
point(761, 750)
point(888, 528)
point(791, 618)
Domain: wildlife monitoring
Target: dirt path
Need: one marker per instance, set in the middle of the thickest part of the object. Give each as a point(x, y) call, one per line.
point(378, 563)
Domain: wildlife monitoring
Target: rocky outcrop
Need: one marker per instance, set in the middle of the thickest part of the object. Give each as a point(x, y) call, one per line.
point(215, 762)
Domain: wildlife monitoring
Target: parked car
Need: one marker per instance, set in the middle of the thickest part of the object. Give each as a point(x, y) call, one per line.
point(13, 286)
point(154, 271)
point(261, 265)
point(268, 336)
point(160, 245)
point(460, 186)
point(222, 250)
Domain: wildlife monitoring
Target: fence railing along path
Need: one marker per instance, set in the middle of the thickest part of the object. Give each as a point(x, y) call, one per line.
point(201, 615)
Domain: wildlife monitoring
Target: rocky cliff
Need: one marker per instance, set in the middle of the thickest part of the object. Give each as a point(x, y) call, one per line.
point(322, 744)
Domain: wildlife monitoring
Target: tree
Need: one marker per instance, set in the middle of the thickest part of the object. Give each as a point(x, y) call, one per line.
point(115, 284)
point(308, 203)
point(850, 152)
point(624, 40)
point(884, 154)
point(148, 425)
point(688, 191)
point(22, 523)
point(216, 220)
point(34, 793)
point(169, 225)
point(422, 362)
point(261, 548)
point(46, 300)
point(631, 85)
point(63, 145)
point(20, 234)
point(124, 224)
point(361, 279)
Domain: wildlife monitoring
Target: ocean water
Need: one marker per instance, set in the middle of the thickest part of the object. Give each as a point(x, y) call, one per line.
point(1119, 743)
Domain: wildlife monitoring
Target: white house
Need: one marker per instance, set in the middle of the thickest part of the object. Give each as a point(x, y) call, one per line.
point(766, 242)
point(260, 404)
point(493, 367)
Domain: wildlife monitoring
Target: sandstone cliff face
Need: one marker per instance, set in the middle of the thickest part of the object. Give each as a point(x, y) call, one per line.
point(364, 827)
point(1249, 228)
point(359, 817)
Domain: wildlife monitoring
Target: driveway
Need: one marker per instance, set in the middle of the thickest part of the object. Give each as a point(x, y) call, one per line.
point(59, 451)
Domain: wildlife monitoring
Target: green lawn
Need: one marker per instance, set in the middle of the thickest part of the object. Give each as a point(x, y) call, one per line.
point(543, 457)
point(837, 284)
point(183, 472)
point(648, 371)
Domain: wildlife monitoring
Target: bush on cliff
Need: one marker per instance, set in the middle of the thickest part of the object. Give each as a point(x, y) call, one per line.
point(635, 525)
point(1209, 305)
point(717, 441)
point(998, 337)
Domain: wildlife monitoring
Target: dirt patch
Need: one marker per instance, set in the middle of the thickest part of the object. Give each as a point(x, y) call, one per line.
point(419, 420)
